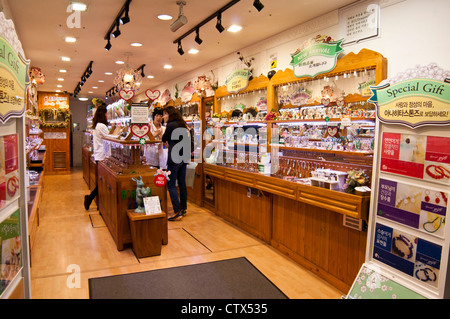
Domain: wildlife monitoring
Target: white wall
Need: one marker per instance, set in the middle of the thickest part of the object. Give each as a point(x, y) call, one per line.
point(412, 32)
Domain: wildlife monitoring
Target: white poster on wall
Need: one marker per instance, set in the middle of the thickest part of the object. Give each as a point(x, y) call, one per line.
point(359, 22)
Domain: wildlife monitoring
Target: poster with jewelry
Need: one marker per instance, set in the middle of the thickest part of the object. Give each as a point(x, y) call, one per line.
point(418, 156)
point(413, 206)
point(412, 255)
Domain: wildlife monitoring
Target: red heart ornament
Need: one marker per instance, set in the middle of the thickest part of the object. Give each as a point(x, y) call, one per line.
point(325, 101)
point(140, 130)
point(332, 131)
point(152, 95)
point(126, 95)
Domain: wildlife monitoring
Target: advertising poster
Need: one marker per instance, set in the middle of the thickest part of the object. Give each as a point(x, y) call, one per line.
point(10, 249)
point(418, 156)
point(416, 207)
point(407, 253)
point(10, 153)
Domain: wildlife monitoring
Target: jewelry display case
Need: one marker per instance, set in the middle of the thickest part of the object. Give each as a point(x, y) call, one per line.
point(117, 190)
point(291, 177)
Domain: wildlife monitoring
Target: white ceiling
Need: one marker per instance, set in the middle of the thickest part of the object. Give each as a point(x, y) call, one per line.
point(41, 27)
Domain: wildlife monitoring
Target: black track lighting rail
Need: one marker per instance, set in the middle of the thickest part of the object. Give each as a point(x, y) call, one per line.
point(116, 23)
point(212, 16)
point(87, 73)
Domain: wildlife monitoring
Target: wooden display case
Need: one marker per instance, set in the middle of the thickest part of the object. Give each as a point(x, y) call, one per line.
point(117, 190)
point(322, 229)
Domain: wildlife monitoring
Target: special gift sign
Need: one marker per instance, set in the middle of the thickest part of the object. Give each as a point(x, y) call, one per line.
point(414, 102)
point(14, 80)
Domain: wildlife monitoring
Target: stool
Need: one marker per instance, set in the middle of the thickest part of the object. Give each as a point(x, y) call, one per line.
point(146, 233)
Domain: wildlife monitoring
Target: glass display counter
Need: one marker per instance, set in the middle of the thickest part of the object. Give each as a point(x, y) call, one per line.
point(299, 178)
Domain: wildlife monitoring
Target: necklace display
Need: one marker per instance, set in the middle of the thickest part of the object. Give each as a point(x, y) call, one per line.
point(437, 172)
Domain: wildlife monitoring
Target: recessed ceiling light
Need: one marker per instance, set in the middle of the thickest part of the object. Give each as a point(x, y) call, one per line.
point(120, 62)
point(136, 44)
point(83, 99)
point(59, 86)
point(150, 77)
point(64, 58)
point(78, 6)
point(95, 87)
point(193, 51)
point(70, 39)
point(62, 71)
point(60, 79)
point(167, 66)
point(108, 73)
point(58, 91)
point(234, 28)
point(101, 81)
point(90, 92)
point(164, 17)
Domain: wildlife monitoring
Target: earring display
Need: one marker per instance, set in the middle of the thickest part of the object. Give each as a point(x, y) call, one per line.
point(413, 206)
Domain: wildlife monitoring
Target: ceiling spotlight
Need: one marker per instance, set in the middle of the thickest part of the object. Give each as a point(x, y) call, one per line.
point(258, 5)
point(219, 26)
point(125, 19)
point(108, 45)
point(180, 49)
point(116, 33)
point(181, 20)
point(197, 38)
point(164, 17)
point(70, 39)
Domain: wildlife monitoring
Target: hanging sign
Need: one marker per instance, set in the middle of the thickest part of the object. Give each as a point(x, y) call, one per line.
point(414, 103)
point(237, 81)
point(127, 95)
point(14, 79)
point(316, 58)
point(152, 95)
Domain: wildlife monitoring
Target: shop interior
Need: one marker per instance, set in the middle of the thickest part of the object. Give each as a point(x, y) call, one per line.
point(284, 163)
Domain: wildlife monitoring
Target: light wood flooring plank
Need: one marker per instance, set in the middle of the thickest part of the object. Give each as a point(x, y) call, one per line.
point(68, 235)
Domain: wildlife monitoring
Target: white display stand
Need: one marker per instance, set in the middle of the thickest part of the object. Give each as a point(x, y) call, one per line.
point(14, 247)
point(408, 240)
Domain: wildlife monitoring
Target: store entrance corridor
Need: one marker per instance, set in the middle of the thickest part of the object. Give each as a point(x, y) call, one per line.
point(73, 245)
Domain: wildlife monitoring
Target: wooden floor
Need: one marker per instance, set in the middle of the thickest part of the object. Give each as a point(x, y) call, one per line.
point(70, 238)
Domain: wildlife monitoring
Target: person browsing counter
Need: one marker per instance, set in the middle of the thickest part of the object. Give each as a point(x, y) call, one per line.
point(154, 152)
point(179, 154)
point(156, 127)
point(99, 123)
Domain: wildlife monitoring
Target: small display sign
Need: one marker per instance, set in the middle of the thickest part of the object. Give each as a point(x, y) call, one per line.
point(418, 156)
point(413, 206)
point(407, 253)
point(316, 59)
point(237, 81)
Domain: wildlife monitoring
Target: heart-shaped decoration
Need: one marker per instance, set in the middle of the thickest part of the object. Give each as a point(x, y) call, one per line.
point(140, 130)
point(332, 131)
point(126, 95)
point(325, 101)
point(340, 102)
point(152, 95)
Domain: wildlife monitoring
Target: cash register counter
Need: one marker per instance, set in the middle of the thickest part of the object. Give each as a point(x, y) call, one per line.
point(304, 222)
